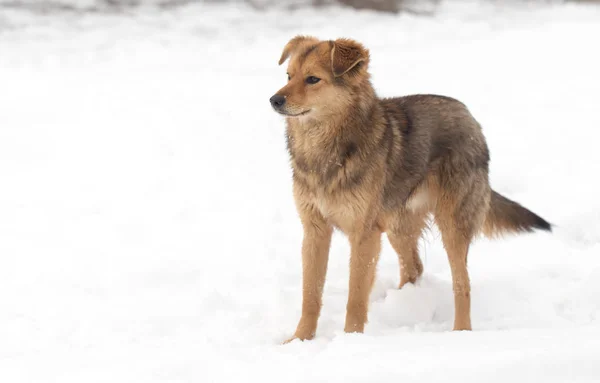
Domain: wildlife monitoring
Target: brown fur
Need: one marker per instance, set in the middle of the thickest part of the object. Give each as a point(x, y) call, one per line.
point(369, 166)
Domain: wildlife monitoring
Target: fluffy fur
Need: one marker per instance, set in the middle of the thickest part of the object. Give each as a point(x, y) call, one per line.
point(368, 166)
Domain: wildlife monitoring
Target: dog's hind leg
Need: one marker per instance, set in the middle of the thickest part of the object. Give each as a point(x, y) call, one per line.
point(404, 234)
point(457, 247)
point(459, 214)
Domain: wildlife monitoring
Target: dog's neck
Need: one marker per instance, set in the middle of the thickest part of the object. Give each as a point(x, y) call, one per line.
point(321, 142)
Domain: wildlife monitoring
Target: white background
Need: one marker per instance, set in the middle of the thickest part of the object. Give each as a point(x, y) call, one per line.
point(148, 231)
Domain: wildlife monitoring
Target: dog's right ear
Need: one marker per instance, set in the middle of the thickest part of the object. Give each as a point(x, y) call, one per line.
point(292, 45)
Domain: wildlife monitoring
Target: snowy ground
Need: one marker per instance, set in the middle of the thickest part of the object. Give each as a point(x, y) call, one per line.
point(147, 227)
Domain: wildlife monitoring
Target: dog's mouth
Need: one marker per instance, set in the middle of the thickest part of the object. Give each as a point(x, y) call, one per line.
point(293, 115)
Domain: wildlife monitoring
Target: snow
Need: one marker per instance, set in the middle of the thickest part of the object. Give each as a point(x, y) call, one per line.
point(148, 231)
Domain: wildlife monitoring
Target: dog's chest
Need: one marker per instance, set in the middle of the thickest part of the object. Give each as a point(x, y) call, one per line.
point(339, 208)
point(321, 173)
point(339, 211)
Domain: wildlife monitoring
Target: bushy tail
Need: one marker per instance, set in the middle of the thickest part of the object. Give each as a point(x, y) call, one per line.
point(506, 216)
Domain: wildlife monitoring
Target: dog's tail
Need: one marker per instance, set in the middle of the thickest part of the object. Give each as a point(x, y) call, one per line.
point(506, 216)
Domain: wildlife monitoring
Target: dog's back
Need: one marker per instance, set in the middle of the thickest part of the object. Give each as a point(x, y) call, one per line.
point(439, 139)
point(443, 145)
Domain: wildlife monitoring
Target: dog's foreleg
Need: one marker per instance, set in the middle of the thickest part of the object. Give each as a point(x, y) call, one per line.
point(315, 253)
point(363, 262)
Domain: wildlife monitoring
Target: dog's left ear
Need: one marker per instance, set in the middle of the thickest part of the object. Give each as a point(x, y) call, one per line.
point(346, 54)
point(293, 44)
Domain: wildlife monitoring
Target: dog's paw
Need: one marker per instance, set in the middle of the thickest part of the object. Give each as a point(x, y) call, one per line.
point(300, 336)
point(409, 278)
point(290, 340)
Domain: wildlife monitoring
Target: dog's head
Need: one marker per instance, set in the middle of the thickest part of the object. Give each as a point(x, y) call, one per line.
point(321, 76)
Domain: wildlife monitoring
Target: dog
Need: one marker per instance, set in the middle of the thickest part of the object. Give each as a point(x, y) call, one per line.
point(367, 165)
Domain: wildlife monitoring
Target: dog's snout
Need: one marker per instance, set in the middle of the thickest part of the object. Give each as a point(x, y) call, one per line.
point(277, 101)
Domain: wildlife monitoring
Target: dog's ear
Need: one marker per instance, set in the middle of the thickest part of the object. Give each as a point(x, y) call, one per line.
point(346, 54)
point(293, 44)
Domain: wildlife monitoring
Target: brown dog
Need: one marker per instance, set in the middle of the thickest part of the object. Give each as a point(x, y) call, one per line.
point(369, 166)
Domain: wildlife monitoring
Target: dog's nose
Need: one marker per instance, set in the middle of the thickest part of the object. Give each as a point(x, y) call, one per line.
point(277, 101)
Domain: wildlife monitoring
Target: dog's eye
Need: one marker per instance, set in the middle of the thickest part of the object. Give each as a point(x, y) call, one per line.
point(289, 78)
point(312, 80)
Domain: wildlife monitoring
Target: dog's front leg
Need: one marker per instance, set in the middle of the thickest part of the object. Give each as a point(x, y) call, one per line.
point(315, 253)
point(363, 262)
